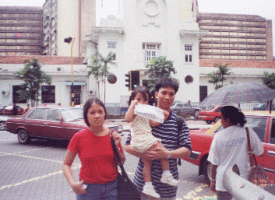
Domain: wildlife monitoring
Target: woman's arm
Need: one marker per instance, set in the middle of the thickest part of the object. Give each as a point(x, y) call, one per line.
point(213, 178)
point(67, 170)
point(129, 116)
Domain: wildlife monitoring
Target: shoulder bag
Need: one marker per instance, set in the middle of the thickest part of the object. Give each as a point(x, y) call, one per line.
point(125, 188)
point(257, 174)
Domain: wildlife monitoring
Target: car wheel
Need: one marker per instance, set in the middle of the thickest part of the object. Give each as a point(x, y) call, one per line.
point(207, 171)
point(2, 126)
point(196, 114)
point(216, 120)
point(208, 121)
point(23, 137)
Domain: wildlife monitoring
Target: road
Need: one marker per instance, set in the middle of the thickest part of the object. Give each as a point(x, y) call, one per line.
point(33, 171)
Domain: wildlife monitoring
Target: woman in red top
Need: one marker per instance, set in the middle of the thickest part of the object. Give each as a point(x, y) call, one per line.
point(98, 172)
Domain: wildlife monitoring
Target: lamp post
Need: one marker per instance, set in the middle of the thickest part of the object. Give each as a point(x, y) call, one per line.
point(71, 40)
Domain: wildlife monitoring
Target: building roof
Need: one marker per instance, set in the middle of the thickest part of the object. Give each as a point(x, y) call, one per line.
point(47, 60)
point(238, 63)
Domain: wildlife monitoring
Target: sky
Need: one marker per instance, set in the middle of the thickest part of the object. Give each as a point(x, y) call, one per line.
point(263, 8)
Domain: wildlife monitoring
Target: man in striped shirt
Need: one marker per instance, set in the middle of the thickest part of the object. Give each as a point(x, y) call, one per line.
point(175, 139)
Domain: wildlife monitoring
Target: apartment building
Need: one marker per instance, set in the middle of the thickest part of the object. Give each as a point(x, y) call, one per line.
point(21, 31)
point(235, 37)
point(67, 18)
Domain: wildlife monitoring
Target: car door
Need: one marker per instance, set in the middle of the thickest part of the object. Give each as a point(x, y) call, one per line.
point(34, 122)
point(54, 128)
point(269, 157)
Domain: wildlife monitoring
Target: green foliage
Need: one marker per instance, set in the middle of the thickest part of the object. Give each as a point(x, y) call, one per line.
point(33, 77)
point(159, 67)
point(269, 80)
point(100, 69)
point(219, 76)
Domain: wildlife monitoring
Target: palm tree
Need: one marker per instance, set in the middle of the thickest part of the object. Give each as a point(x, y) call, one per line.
point(223, 70)
point(33, 77)
point(159, 67)
point(215, 78)
point(100, 69)
point(269, 80)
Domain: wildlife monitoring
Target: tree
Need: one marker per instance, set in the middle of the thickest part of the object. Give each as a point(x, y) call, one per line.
point(158, 68)
point(223, 70)
point(100, 69)
point(269, 80)
point(215, 78)
point(33, 77)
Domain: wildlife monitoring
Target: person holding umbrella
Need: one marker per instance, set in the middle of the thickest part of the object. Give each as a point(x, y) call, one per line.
point(229, 147)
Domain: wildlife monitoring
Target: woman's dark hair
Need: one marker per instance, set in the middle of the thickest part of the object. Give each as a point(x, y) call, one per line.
point(234, 115)
point(166, 82)
point(88, 104)
point(142, 90)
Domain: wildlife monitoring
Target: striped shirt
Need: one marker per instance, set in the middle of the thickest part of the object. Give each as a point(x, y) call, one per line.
point(172, 138)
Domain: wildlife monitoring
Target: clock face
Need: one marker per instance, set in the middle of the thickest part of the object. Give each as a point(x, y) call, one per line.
point(151, 7)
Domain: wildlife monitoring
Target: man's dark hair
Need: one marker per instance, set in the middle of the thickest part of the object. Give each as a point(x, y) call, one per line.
point(88, 104)
point(166, 82)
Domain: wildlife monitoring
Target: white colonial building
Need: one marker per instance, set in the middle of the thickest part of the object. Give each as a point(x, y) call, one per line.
point(150, 28)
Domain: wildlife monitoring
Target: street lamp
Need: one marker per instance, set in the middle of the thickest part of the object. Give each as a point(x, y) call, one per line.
point(71, 40)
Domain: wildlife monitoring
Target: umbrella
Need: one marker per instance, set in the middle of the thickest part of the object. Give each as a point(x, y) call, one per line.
point(239, 93)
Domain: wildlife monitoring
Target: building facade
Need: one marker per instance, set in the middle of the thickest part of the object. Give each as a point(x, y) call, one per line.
point(235, 37)
point(21, 31)
point(59, 68)
point(67, 18)
point(149, 29)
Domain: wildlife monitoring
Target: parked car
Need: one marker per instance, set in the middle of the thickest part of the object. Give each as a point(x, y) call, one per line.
point(263, 106)
point(185, 109)
point(262, 122)
point(3, 120)
point(8, 110)
point(49, 122)
point(210, 116)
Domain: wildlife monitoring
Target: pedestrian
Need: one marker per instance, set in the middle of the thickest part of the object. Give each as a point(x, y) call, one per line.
point(175, 140)
point(59, 104)
point(229, 147)
point(189, 102)
point(27, 108)
point(14, 110)
point(98, 170)
point(143, 140)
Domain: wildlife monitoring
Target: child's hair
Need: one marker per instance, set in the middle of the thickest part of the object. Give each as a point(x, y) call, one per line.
point(142, 90)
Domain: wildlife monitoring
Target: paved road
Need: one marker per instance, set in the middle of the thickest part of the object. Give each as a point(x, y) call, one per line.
point(33, 171)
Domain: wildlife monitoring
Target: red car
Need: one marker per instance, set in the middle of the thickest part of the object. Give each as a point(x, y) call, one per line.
point(261, 122)
point(210, 116)
point(50, 122)
point(8, 110)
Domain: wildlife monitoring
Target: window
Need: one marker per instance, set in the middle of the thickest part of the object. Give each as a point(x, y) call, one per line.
point(258, 124)
point(48, 94)
point(111, 45)
point(37, 114)
point(53, 115)
point(151, 51)
point(16, 96)
point(188, 53)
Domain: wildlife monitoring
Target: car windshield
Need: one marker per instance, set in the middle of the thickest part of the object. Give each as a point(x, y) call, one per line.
point(72, 114)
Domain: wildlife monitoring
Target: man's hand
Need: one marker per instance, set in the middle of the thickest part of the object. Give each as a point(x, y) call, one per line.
point(157, 152)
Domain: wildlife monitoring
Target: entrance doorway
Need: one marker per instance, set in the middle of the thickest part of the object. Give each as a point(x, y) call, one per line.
point(203, 92)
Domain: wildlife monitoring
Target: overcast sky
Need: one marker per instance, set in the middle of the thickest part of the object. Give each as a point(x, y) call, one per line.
point(263, 8)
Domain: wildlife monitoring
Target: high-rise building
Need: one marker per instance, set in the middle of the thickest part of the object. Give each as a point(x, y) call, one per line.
point(235, 37)
point(67, 18)
point(21, 31)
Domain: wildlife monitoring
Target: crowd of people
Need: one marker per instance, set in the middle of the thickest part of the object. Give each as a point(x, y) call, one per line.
point(157, 145)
